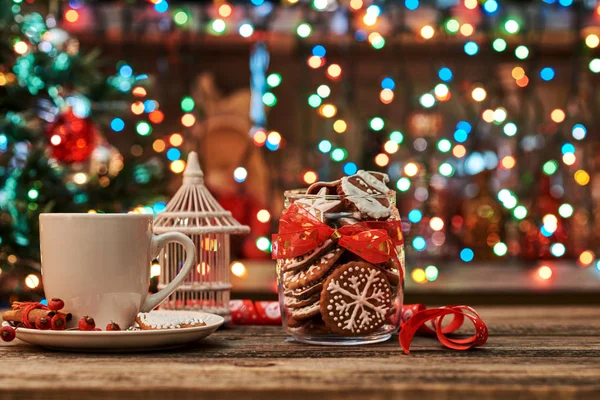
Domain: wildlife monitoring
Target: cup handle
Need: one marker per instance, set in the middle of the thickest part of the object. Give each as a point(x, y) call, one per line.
point(158, 242)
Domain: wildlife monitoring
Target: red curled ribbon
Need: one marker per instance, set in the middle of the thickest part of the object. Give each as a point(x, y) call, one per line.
point(300, 232)
point(416, 316)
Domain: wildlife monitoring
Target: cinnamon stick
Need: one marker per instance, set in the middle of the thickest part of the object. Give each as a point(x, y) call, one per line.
point(17, 315)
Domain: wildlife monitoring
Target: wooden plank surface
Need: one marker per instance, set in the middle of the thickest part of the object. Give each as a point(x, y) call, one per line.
point(536, 352)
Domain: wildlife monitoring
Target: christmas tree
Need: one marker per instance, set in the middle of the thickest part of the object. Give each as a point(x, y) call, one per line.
point(55, 104)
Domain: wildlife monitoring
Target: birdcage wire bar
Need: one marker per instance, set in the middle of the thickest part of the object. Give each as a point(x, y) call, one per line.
point(196, 213)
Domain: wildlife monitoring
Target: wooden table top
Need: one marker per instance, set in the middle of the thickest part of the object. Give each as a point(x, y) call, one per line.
point(534, 352)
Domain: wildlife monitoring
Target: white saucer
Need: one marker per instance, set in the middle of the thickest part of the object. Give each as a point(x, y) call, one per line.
point(122, 341)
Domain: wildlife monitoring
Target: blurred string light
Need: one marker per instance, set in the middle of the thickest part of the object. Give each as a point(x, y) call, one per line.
point(415, 216)
point(547, 74)
point(452, 25)
point(239, 174)
point(511, 26)
point(377, 124)
point(592, 41)
point(467, 255)
point(388, 83)
point(490, 6)
point(427, 32)
point(340, 126)
point(471, 48)
point(246, 30)
point(334, 71)
point(522, 52)
point(418, 275)
point(304, 30)
point(431, 273)
point(479, 94)
point(411, 4)
point(499, 44)
point(466, 29)
point(397, 136)
point(403, 184)
point(445, 74)
point(350, 168)
point(544, 272)
point(578, 132)
point(181, 17)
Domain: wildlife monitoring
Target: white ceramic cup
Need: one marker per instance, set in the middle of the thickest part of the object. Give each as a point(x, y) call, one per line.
point(99, 264)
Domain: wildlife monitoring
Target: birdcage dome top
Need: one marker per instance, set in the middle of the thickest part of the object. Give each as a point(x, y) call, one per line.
point(194, 210)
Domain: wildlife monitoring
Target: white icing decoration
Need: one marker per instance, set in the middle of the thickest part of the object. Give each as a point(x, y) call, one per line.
point(370, 206)
point(363, 306)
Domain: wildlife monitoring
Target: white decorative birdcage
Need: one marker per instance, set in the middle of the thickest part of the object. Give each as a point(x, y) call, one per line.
point(194, 212)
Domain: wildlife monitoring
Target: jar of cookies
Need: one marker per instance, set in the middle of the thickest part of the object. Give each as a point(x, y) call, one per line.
point(340, 261)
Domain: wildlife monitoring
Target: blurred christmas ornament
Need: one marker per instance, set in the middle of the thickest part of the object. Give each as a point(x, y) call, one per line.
point(105, 160)
point(72, 139)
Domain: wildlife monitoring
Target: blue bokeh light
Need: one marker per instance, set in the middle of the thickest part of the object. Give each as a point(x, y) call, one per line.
point(467, 254)
point(350, 168)
point(415, 216)
point(173, 154)
point(465, 126)
point(319, 51)
point(460, 136)
point(161, 6)
point(490, 6)
point(547, 74)
point(117, 124)
point(567, 148)
point(445, 74)
point(411, 4)
point(419, 243)
point(471, 48)
point(388, 83)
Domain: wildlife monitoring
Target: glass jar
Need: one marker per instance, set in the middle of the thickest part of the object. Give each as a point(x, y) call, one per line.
point(346, 287)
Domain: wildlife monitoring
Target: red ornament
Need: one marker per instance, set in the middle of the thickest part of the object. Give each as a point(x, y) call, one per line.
point(72, 139)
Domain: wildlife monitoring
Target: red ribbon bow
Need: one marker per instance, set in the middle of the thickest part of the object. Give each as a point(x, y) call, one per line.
point(415, 317)
point(300, 232)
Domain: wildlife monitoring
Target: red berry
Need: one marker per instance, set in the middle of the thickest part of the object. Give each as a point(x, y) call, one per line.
point(56, 304)
point(7, 333)
point(113, 327)
point(59, 322)
point(43, 323)
point(87, 324)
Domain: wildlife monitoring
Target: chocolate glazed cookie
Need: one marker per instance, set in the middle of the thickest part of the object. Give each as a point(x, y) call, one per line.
point(356, 299)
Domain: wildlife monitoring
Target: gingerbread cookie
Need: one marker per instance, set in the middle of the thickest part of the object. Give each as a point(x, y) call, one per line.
point(307, 259)
point(161, 320)
point(305, 292)
point(292, 302)
point(305, 312)
point(358, 190)
point(356, 299)
point(330, 187)
point(314, 273)
point(312, 326)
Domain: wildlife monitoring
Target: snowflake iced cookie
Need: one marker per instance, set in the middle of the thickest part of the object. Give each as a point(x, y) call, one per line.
point(314, 273)
point(161, 320)
point(356, 299)
point(358, 190)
